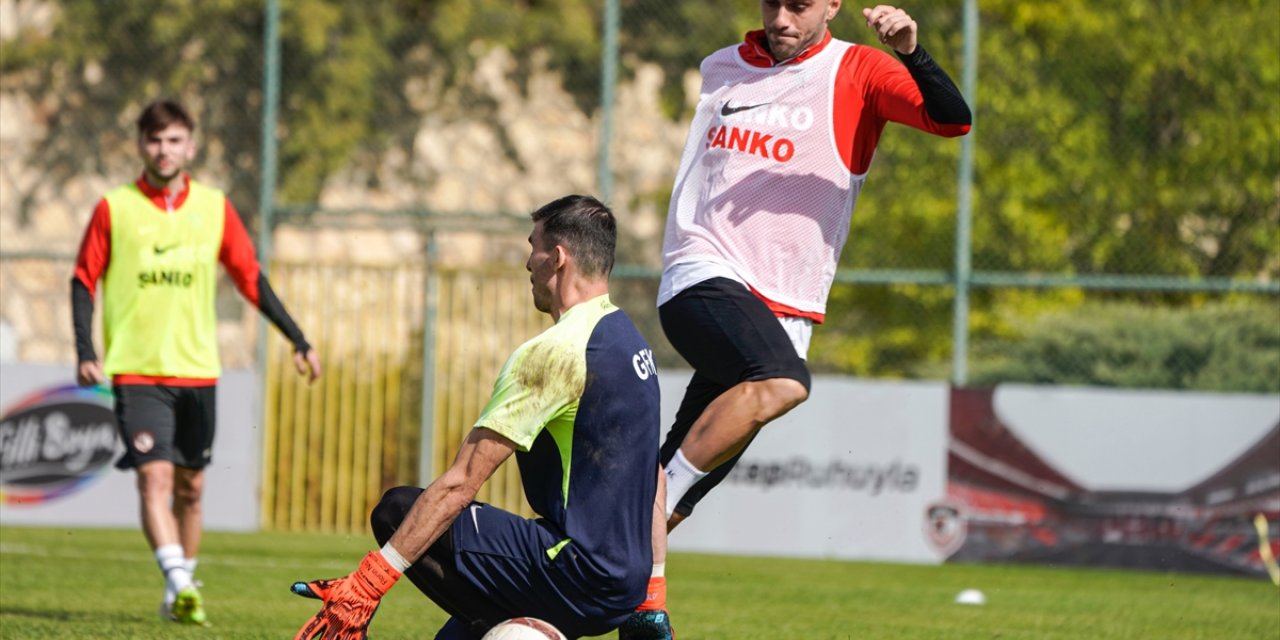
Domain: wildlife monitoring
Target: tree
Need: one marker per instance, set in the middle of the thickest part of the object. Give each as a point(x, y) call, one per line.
point(1112, 138)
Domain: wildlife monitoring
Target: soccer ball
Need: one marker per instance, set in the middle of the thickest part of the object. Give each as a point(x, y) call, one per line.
point(524, 628)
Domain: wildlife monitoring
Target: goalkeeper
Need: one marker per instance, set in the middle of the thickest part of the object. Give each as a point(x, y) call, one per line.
point(578, 406)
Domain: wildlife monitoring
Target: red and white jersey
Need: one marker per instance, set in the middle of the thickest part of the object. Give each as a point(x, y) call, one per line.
point(776, 156)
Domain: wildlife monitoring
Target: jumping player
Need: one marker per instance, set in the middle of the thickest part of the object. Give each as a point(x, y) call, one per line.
point(578, 405)
point(785, 129)
point(156, 243)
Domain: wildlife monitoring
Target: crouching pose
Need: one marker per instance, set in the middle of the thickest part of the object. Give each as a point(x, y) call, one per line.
point(578, 406)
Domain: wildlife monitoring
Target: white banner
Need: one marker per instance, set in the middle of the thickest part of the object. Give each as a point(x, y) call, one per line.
point(111, 499)
point(848, 474)
point(1132, 439)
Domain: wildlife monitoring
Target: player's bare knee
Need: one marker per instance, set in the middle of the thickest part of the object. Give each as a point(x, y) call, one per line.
point(188, 480)
point(155, 480)
point(187, 493)
point(188, 489)
point(780, 395)
point(154, 491)
point(391, 511)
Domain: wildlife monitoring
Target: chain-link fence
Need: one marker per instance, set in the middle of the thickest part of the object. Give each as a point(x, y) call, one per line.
point(1115, 219)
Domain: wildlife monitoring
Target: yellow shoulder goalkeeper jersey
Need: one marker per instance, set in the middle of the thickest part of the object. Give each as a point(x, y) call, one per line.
point(159, 288)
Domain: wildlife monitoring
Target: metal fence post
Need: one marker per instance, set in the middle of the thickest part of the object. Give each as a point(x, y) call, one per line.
point(427, 421)
point(608, 82)
point(267, 188)
point(266, 200)
point(964, 204)
point(270, 108)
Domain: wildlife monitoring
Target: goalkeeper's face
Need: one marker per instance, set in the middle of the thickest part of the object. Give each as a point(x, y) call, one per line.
point(543, 266)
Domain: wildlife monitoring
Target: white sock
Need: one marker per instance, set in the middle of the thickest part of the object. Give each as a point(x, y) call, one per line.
point(190, 565)
point(171, 561)
point(680, 477)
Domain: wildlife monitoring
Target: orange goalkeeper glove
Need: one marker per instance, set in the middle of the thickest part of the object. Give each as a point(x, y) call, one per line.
point(349, 603)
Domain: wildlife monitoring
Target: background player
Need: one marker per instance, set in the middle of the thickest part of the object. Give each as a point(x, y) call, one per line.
point(156, 243)
point(578, 405)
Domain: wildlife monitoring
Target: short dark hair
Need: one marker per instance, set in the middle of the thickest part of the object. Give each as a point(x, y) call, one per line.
point(162, 113)
point(583, 225)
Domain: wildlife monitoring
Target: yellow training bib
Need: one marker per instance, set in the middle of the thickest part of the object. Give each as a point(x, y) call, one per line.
point(159, 288)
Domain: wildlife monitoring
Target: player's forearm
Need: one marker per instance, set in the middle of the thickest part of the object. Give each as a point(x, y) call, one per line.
point(439, 505)
point(82, 320)
point(942, 99)
point(274, 310)
point(432, 514)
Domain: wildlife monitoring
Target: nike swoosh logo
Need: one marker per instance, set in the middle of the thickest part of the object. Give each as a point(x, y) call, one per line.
point(727, 110)
point(475, 523)
point(161, 250)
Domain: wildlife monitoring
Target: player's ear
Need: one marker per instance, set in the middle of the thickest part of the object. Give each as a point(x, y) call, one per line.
point(832, 9)
point(562, 256)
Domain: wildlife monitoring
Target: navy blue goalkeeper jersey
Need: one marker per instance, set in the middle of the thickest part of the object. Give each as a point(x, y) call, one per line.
point(581, 403)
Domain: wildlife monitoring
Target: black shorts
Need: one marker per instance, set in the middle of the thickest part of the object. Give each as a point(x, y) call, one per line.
point(159, 422)
point(728, 335)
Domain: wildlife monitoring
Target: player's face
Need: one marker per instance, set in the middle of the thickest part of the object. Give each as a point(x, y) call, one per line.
point(542, 266)
point(166, 152)
point(792, 25)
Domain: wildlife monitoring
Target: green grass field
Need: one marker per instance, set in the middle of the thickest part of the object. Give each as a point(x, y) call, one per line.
point(82, 583)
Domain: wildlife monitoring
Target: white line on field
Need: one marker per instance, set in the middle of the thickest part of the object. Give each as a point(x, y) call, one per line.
point(205, 559)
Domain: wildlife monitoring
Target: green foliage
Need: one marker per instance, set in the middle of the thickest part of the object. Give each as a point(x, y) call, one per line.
point(1134, 137)
point(337, 59)
point(883, 331)
point(246, 579)
point(1221, 347)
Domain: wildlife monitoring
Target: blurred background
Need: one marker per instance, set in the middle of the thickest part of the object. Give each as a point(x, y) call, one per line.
point(1113, 220)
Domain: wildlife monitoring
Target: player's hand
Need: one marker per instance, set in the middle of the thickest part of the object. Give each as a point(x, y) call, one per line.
point(893, 27)
point(90, 373)
point(349, 603)
point(307, 364)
